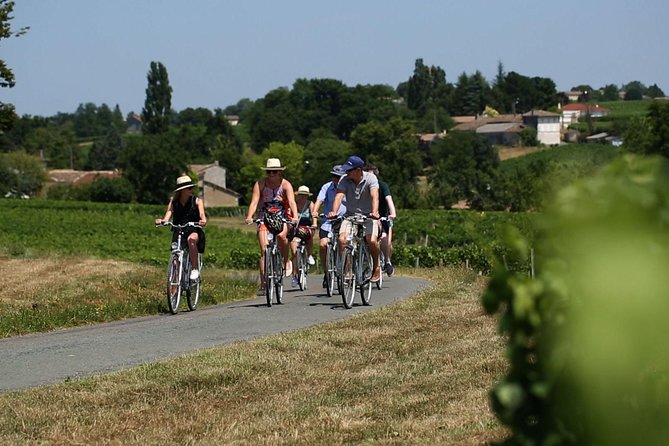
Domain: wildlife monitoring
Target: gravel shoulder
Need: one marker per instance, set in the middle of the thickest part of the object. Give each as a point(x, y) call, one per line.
point(48, 358)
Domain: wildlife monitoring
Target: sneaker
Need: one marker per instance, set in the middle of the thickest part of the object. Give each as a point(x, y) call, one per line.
point(390, 269)
point(195, 274)
point(289, 268)
point(293, 282)
point(311, 260)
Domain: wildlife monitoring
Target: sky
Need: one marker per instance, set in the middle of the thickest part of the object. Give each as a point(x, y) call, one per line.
point(220, 51)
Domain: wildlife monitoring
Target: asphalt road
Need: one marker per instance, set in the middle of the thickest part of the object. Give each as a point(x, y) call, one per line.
point(41, 359)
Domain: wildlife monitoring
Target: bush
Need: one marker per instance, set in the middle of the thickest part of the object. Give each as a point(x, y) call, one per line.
point(588, 361)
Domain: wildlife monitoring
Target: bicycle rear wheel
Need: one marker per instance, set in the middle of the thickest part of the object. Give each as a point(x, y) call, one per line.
point(365, 268)
point(382, 270)
point(348, 278)
point(330, 270)
point(302, 268)
point(174, 272)
point(269, 276)
point(193, 293)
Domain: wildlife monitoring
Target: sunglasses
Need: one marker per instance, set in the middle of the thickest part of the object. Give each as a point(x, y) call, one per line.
point(270, 172)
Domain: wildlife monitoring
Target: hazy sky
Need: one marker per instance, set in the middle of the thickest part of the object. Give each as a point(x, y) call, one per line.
point(219, 51)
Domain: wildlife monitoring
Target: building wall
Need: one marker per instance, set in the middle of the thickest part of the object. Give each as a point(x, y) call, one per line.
point(217, 198)
point(548, 131)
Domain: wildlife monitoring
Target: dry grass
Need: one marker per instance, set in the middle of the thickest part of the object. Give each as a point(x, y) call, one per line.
point(414, 373)
point(506, 153)
point(24, 279)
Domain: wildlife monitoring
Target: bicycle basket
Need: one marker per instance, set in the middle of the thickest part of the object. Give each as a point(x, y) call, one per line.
point(273, 220)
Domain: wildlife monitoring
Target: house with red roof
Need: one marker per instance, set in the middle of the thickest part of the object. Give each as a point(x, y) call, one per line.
point(571, 113)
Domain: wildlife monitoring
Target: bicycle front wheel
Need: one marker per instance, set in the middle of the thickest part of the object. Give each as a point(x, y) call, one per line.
point(348, 278)
point(269, 276)
point(174, 272)
point(382, 269)
point(193, 294)
point(278, 275)
point(365, 270)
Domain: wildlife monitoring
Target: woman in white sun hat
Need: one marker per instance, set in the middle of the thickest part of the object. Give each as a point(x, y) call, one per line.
point(273, 191)
point(307, 222)
point(185, 207)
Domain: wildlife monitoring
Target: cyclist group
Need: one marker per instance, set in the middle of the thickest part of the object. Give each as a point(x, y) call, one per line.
point(291, 216)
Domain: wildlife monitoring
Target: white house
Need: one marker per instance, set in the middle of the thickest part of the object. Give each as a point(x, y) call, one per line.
point(547, 125)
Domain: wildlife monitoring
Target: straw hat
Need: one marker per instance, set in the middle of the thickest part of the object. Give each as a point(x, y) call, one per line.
point(273, 164)
point(303, 190)
point(184, 182)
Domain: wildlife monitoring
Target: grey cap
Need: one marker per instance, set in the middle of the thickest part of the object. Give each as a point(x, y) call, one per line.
point(338, 170)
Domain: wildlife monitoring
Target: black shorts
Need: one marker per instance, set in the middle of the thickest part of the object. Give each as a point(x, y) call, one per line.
point(201, 242)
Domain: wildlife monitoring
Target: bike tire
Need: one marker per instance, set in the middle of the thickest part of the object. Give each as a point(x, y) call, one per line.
point(174, 272)
point(278, 276)
point(302, 268)
point(193, 294)
point(330, 272)
point(366, 271)
point(348, 279)
point(269, 277)
point(382, 267)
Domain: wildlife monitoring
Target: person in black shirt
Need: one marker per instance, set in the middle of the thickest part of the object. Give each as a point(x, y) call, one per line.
point(185, 207)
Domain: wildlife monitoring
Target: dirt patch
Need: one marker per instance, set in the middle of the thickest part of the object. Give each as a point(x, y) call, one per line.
point(506, 153)
point(26, 277)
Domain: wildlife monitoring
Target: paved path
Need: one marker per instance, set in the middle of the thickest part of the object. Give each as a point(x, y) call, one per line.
point(34, 360)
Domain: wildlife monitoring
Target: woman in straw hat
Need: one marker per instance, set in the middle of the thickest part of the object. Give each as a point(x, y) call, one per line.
point(307, 222)
point(184, 207)
point(273, 189)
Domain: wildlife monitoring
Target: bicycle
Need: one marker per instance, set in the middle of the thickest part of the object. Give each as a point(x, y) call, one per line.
point(178, 271)
point(302, 264)
point(332, 259)
point(274, 268)
point(356, 268)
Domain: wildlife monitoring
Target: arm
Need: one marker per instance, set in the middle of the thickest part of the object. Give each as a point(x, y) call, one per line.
point(314, 215)
point(391, 207)
point(291, 200)
point(167, 216)
point(203, 216)
point(339, 196)
point(317, 207)
point(375, 202)
point(255, 196)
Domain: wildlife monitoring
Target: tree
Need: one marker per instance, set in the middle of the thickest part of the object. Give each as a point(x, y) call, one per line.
point(465, 168)
point(55, 145)
point(634, 91)
point(7, 80)
point(22, 174)
point(654, 91)
point(158, 102)
point(610, 93)
point(104, 154)
point(111, 190)
point(320, 155)
point(151, 164)
point(426, 88)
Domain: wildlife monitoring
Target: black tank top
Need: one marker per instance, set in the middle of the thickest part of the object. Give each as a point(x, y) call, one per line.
point(182, 214)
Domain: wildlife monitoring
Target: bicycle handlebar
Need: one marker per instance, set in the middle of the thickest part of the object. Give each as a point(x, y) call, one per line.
point(189, 224)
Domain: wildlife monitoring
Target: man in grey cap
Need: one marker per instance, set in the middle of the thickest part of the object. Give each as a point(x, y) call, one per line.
point(326, 198)
point(361, 190)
